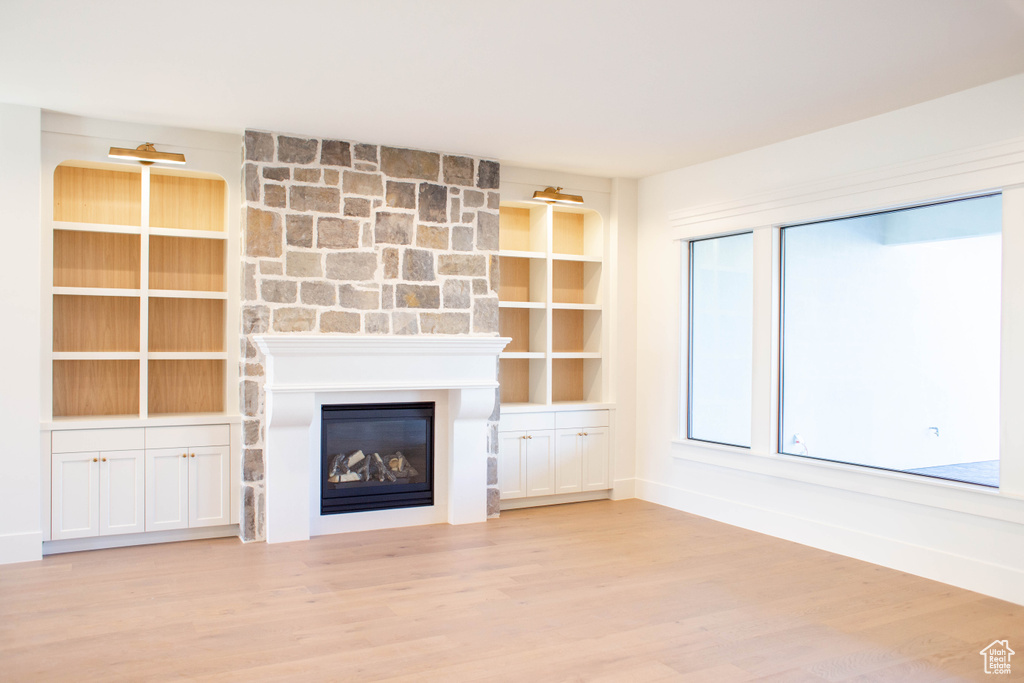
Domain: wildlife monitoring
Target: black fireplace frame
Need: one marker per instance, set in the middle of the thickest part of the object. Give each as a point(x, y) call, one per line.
point(367, 496)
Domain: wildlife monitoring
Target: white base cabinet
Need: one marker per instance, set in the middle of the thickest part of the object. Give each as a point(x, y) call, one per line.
point(98, 493)
point(187, 487)
point(527, 464)
point(545, 454)
point(134, 480)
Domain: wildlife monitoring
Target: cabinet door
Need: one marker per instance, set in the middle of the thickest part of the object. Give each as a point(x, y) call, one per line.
point(75, 503)
point(568, 460)
point(540, 463)
point(512, 464)
point(122, 492)
point(596, 456)
point(208, 494)
point(166, 488)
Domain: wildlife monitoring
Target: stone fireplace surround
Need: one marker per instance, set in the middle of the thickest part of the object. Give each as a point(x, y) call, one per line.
point(304, 372)
point(344, 237)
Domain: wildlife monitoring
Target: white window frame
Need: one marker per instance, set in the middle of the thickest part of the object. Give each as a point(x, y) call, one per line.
point(988, 169)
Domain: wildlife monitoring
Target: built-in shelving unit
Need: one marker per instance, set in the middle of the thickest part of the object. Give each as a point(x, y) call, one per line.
point(551, 303)
point(139, 291)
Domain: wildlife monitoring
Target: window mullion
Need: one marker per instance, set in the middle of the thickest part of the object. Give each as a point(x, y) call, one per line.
point(765, 347)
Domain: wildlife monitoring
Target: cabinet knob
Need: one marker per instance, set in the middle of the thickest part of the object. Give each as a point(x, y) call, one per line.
point(585, 434)
point(104, 459)
point(184, 455)
point(193, 455)
point(95, 460)
point(579, 433)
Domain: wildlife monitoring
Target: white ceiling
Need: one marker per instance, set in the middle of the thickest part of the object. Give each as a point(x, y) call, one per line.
point(592, 86)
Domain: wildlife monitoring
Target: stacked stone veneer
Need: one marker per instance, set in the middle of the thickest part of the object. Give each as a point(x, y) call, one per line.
point(340, 237)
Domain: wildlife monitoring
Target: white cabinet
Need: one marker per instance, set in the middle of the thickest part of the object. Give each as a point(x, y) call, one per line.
point(540, 463)
point(134, 480)
point(166, 489)
point(187, 487)
point(527, 464)
point(582, 460)
point(209, 468)
point(97, 493)
point(554, 453)
point(595, 457)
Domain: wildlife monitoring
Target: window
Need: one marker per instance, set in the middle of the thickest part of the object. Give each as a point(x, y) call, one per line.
point(891, 338)
point(721, 339)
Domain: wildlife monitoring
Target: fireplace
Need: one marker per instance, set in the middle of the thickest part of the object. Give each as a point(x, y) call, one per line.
point(376, 456)
point(305, 372)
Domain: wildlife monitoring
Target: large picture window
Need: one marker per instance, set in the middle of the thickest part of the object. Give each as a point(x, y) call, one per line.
point(721, 339)
point(890, 340)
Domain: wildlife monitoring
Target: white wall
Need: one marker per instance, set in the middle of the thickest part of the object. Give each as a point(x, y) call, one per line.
point(945, 531)
point(20, 535)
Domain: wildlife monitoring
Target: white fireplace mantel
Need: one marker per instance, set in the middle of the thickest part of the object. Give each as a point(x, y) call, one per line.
point(302, 369)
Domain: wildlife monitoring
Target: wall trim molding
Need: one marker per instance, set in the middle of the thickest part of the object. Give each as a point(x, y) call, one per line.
point(24, 547)
point(949, 175)
point(998, 581)
point(908, 488)
point(74, 545)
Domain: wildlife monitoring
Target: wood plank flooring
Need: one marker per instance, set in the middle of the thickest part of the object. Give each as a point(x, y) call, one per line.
point(602, 591)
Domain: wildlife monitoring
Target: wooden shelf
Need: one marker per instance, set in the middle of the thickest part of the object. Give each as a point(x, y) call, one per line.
point(113, 269)
point(186, 386)
point(522, 229)
point(197, 234)
point(95, 323)
point(189, 203)
point(567, 233)
point(576, 232)
point(521, 304)
point(550, 305)
point(522, 279)
point(96, 227)
point(97, 194)
point(575, 282)
point(97, 355)
point(526, 328)
point(186, 325)
point(186, 263)
point(95, 387)
point(94, 259)
point(576, 331)
point(576, 380)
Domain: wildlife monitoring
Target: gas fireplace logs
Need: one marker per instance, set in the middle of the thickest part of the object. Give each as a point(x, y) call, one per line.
point(357, 466)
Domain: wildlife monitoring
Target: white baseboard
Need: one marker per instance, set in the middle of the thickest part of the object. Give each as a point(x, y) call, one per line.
point(623, 489)
point(26, 547)
point(74, 545)
point(998, 581)
point(539, 501)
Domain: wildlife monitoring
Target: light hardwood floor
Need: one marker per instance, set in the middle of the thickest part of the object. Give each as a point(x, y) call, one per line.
point(604, 591)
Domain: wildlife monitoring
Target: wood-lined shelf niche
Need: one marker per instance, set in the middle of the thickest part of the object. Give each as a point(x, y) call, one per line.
point(551, 300)
point(139, 293)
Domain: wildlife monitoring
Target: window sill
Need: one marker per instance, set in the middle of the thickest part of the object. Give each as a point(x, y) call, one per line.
point(954, 496)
